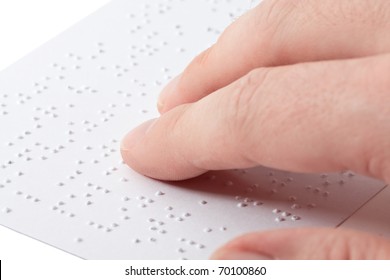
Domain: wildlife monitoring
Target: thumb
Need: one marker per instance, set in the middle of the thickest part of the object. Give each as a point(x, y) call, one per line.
point(303, 244)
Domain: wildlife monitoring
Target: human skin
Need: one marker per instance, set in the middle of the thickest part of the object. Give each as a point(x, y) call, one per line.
point(306, 90)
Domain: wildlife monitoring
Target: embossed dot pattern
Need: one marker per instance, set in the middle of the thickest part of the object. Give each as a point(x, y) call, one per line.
point(64, 110)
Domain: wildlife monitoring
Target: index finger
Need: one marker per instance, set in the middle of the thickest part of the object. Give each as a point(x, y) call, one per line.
point(279, 33)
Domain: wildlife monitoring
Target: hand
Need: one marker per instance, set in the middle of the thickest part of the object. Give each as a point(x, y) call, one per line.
point(295, 85)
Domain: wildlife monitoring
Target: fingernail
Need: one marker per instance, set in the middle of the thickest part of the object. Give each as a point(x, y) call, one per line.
point(166, 92)
point(136, 135)
point(239, 255)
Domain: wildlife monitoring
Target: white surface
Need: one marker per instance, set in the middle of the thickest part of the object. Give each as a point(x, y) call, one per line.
point(24, 26)
point(138, 63)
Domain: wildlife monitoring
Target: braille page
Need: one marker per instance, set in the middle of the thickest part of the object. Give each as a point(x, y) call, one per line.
point(64, 110)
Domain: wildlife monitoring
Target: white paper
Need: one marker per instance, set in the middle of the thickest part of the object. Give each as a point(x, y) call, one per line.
point(64, 110)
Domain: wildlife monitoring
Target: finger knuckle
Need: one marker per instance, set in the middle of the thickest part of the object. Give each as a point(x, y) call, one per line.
point(244, 102)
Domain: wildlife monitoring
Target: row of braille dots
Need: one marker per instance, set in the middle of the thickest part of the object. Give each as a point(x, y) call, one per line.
point(81, 89)
point(144, 202)
point(277, 184)
point(145, 50)
point(321, 189)
point(28, 197)
point(213, 30)
point(58, 208)
point(104, 228)
point(160, 9)
point(209, 229)
point(8, 181)
point(226, 184)
point(179, 218)
point(157, 226)
point(106, 151)
point(281, 216)
point(98, 51)
point(71, 177)
point(188, 243)
point(87, 127)
point(38, 88)
point(97, 188)
point(27, 133)
point(295, 205)
point(247, 201)
point(25, 153)
point(87, 201)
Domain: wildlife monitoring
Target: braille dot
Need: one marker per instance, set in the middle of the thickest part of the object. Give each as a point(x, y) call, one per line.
point(285, 214)
point(6, 210)
point(181, 250)
point(325, 194)
point(311, 205)
point(207, 230)
point(295, 206)
point(295, 218)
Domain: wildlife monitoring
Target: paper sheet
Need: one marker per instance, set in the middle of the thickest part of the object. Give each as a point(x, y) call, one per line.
point(64, 110)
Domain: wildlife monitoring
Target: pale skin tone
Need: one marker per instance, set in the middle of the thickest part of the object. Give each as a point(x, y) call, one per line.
point(299, 85)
